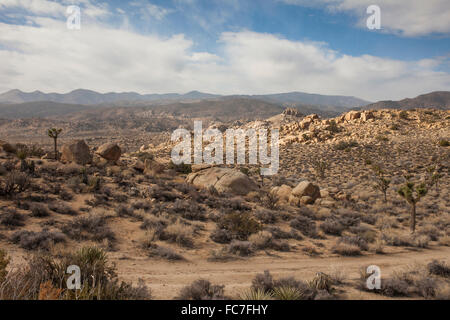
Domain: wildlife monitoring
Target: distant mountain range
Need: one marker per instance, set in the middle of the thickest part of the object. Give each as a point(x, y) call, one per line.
point(435, 100)
point(88, 97)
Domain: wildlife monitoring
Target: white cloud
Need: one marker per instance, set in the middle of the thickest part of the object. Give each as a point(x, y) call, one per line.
point(405, 17)
point(151, 11)
point(47, 56)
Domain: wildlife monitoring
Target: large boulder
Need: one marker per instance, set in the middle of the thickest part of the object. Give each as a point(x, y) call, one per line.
point(7, 147)
point(306, 189)
point(352, 115)
point(223, 180)
point(76, 151)
point(366, 116)
point(282, 193)
point(109, 151)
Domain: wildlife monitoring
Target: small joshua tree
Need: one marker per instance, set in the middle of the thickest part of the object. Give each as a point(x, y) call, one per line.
point(433, 177)
point(320, 167)
point(54, 133)
point(382, 182)
point(412, 193)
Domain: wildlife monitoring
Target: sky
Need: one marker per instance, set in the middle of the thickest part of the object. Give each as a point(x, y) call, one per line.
point(227, 47)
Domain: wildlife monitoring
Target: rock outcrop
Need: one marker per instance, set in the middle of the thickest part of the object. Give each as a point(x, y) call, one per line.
point(109, 151)
point(223, 180)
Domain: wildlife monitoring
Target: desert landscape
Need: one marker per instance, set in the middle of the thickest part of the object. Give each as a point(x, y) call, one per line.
point(112, 200)
point(175, 151)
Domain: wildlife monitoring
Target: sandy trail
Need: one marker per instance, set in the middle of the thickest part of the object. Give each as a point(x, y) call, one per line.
point(166, 278)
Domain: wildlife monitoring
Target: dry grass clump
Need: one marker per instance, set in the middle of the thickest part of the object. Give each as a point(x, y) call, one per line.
point(39, 210)
point(346, 249)
point(45, 277)
point(43, 240)
point(241, 248)
point(222, 236)
point(332, 227)
point(405, 240)
point(178, 233)
point(156, 251)
point(202, 290)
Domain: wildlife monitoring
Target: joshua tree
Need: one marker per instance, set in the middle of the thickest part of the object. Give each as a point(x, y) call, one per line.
point(320, 167)
point(412, 193)
point(54, 133)
point(433, 177)
point(382, 183)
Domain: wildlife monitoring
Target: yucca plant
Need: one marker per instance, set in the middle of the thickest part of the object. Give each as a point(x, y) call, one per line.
point(287, 293)
point(256, 294)
point(412, 193)
point(54, 133)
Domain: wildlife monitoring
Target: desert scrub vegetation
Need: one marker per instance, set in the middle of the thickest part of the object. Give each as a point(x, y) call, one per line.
point(412, 193)
point(42, 240)
point(240, 224)
point(12, 219)
point(92, 227)
point(264, 287)
point(45, 277)
point(14, 183)
point(413, 281)
point(201, 290)
point(345, 145)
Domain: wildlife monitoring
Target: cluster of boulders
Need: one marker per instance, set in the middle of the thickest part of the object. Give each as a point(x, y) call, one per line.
point(304, 193)
point(224, 180)
point(79, 152)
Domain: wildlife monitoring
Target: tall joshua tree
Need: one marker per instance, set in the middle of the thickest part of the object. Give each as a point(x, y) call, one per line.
point(54, 133)
point(412, 193)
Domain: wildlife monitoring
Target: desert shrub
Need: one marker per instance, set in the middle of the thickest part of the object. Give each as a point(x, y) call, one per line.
point(403, 115)
point(356, 240)
point(439, 268)
point(305, 226)
point(178, 233)
point(202, 290)
point(345, 145)
point(320, 167)
point(278, 233)
point(155, 250)
point(430, 231)
point(12, 219)
point(153, 222)
point(221, 236)
point(39, 210)
point(332, 227)
point(141, 204)
point(283, 288)
point(444, 143)
point(407, 240)
point(346, 249)
point(189, 210)
point(241, 248)
point(322, 281)
point(65, 195)
point(14, 183)
point(98, 279)
point(124, 211)
point(4, 261)
point(75, 184)
point(42, 240)
point(62, 208)
point(240, 224)
point(269, 200)
point(261, 240)
point(89, 227)
point(266, 216)
point(180, 168)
